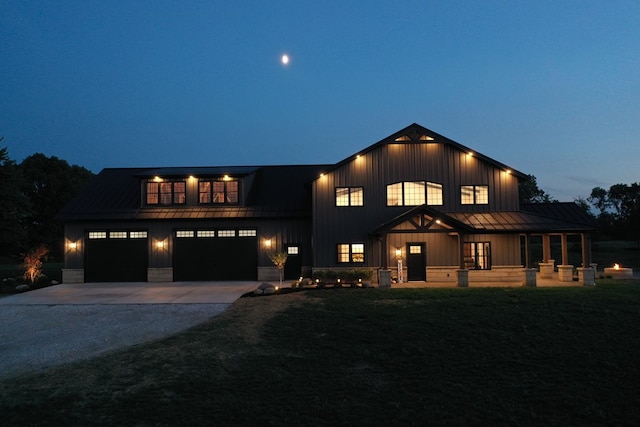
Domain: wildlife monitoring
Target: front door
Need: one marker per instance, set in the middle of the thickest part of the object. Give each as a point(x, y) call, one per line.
point(293, 266)
point(416, 262)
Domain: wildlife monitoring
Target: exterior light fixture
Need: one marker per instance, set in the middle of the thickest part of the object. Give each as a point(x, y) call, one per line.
point(160, 244)
point(508, 171)
point(267, 243)
point(73, 246)
point(437, 221)
point(398, 252)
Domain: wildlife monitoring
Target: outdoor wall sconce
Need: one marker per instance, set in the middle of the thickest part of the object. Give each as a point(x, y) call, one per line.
point(398, 252)
point(160, 244)
point(267, 243)
point(72, 246)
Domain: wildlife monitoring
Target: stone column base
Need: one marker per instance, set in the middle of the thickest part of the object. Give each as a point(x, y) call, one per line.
point(565, 273)
point(546, 269)
point(384, 278)
point(463, 278)
point(587, 276)
point(530, 277)
point(160, 274)
point(73, 275)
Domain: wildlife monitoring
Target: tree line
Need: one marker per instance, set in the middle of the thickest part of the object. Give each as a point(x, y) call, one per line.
point(31, 193)
point(616, 210)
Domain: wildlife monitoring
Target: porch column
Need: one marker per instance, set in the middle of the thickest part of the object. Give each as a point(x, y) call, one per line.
point(384, 253)
point(527, 251)
point(460, 251)
point(586, 249)
point(565, 252)
point(546, 248)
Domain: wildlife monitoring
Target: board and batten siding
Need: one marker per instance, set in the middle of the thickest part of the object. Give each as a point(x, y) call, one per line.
point(396, 162)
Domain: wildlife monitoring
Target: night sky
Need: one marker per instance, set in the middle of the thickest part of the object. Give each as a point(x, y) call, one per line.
point(550, 88)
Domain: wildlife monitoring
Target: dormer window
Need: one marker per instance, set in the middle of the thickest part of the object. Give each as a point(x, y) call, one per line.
point(218, 192)
point(166, 192)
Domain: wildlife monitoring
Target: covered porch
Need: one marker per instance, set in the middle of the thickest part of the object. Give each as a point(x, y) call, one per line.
point(468, 249)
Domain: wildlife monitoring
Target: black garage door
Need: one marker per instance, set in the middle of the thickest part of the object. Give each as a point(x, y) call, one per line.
point(116, 256)
point(215, 255)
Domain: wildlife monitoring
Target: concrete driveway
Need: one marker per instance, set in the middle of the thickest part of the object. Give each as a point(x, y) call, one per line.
point(70, 322)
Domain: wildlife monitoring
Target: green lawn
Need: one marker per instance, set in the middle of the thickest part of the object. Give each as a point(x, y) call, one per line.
point(541, 356)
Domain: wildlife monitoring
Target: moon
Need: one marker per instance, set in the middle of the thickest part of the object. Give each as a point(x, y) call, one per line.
point(284, 59)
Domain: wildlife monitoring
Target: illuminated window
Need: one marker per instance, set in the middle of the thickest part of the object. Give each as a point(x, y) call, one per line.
point(293, 250)
point(166, 193)
point(97, 235)
point(218, 192)
point(415, 249)
point(350, 252)
point(204, 191)
point(184, 233)
point(434, 193)
point(206, 233)
point(394, 194)
point(227, 233)
point(117, 234)
point(152, 193)
point(482, 194)
point(138, 235)
point(247, 233)
point(349, 196)
point(477, 256)
point(414, 193)
point(474, 194)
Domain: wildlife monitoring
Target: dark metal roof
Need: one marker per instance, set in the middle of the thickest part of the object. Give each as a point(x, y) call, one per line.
point(532, 218)
point(274, 191)
point(414, 132)
point(200, 171)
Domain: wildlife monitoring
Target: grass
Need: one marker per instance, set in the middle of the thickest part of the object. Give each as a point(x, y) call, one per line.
point(516, 356)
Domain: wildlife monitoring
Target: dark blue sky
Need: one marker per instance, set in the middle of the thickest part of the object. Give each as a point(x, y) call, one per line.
point(551, 88)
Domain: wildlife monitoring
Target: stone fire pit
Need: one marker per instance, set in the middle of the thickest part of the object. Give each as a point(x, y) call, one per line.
point(617, 272)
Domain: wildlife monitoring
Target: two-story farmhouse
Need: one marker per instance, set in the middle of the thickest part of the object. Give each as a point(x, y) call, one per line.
point(416, 203)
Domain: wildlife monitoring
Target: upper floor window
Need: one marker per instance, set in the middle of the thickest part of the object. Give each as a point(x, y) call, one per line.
point(414, 193)
point(474, 195)
point(218, 192)
point(166, 193)
point(349, 196)
point(351, 252)
point(434, 193)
